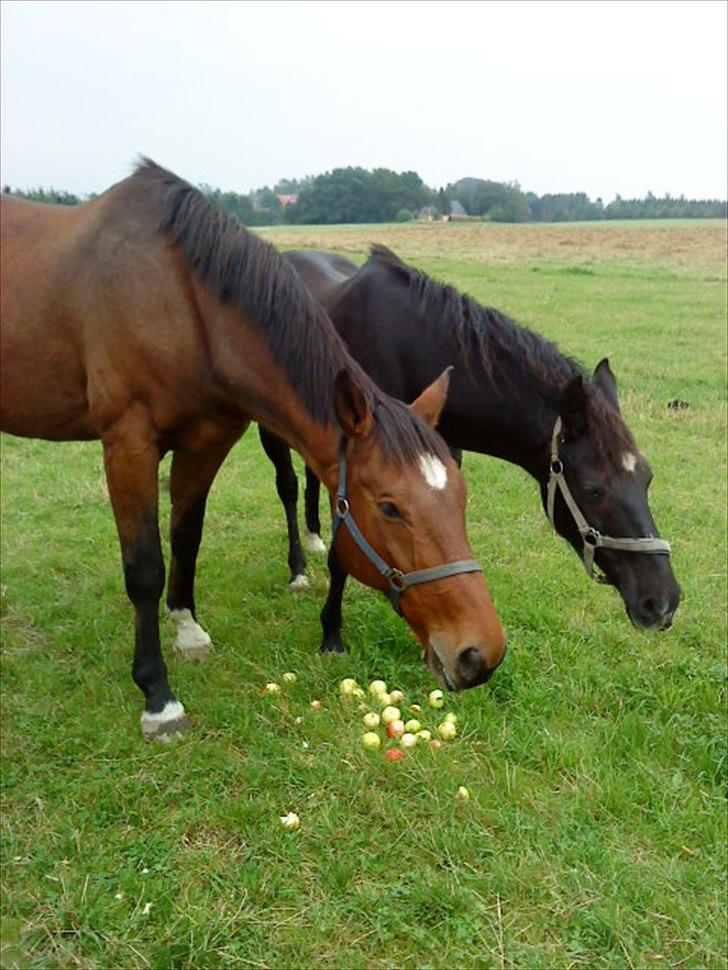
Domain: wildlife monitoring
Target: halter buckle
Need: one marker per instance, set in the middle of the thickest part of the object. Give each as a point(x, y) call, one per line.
point(342, 507)
point(397, 580)
point(591, 537)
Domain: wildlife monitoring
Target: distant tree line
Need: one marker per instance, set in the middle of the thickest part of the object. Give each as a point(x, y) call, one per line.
point(356, 194)
point(49, 196)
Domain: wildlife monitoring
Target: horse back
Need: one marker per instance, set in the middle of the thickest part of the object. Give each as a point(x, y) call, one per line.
point(325, 274)
point(95, 306)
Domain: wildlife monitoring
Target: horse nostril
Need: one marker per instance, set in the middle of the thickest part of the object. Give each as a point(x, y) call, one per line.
point(657, 610)
point(472, 669)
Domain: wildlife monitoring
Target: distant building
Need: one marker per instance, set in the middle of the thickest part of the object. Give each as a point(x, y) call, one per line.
point(287, 200)
point(428, 213)
point(457, 209)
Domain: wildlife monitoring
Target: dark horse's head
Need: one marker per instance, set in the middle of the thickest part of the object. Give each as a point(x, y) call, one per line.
point(608, 480)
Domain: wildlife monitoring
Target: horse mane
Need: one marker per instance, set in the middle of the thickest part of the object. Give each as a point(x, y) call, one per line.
point(245, 271)
point(504, 348)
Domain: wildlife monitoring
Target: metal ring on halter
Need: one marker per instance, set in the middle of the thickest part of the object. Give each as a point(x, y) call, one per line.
point(591, 537)
point(397, 579)
point(342, 506)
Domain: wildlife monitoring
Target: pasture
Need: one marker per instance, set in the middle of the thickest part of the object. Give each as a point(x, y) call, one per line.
point(595, 757)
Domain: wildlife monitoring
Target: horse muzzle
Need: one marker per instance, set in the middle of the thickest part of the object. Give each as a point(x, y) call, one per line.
point(468, 669)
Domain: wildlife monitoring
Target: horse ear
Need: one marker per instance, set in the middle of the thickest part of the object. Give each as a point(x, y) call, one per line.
point(431, 401)
point(573, 407)
point(351, 406)
point(605, 380)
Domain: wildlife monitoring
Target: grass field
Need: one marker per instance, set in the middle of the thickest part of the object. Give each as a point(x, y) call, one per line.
point(595, 834)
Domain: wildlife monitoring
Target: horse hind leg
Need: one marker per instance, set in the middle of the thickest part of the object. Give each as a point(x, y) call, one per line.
point(191, 477)
point(312, 540)
point(131, 460)
point(287, 486)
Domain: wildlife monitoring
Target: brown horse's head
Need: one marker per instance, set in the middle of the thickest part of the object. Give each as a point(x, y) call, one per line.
point(407, 496)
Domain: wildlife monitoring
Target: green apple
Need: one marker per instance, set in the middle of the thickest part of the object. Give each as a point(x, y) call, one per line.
point(371, 741)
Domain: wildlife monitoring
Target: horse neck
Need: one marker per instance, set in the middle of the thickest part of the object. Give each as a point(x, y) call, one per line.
point(252, 384)
point(509, 415)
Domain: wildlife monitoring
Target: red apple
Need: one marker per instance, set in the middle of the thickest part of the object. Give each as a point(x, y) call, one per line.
point(395, 729)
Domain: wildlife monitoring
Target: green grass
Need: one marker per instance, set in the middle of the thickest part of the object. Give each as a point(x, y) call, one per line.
point(595, 835)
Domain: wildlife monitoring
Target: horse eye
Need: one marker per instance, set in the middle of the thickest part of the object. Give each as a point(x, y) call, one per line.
point(389, 510)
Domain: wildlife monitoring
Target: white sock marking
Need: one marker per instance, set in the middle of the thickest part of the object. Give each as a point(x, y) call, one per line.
point(190, 635)
point(434, 471)
point(171, 711)
point(312, 542)
point(299, 582)
point(629, 462)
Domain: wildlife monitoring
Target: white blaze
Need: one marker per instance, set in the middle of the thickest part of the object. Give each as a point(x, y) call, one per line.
point(629, 462)
point(434, 471)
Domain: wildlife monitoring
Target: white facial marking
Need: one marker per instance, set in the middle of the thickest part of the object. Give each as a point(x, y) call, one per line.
point(629, 462)
point(191, 639)
point(434, 471)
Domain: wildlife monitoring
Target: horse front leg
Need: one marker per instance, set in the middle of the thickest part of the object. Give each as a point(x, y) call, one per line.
point(131, 460)
point(331, 612)
point(191, 476)
point(313, 540)
point(287, 485)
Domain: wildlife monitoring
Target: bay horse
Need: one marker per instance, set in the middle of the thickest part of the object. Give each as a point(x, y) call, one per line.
point(153, 321)
point(512, 395)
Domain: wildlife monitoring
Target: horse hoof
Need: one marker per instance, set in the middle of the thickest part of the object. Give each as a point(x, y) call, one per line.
point(334, 645)
point(194, 654)
point(169, 723)
point(298, 582)
point(312, 542)
point(192, 642)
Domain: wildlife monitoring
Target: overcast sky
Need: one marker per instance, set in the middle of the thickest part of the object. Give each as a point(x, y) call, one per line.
point(603, 97)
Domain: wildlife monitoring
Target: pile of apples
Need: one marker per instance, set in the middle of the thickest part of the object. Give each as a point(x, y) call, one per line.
point(383, 712)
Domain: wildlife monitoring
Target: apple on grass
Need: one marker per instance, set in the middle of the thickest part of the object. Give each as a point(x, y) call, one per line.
point(395, 729)
point(370, 741)
point(447, 730)
point(435, 699)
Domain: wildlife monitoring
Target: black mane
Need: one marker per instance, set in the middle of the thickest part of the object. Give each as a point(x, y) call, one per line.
point(504, 349)
point(243, 270)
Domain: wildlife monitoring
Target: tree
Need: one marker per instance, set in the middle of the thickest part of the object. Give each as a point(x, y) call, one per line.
point(499, 201)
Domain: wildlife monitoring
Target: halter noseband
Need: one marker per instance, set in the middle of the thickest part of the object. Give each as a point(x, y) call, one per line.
point(398, 581)
point(591, 537)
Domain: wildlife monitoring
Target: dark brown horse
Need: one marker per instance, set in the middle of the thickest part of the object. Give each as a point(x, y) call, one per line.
point(512, 395)
point(149, 319)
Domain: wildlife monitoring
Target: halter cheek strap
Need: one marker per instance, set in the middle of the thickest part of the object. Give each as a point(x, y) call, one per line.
point(398, 581)
point(591, 538)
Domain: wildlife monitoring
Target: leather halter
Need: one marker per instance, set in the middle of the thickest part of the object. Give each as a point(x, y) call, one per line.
point(591, 537)
point(398, 581)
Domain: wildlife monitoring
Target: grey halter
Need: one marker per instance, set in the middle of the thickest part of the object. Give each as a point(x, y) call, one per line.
point(591, 537)
point(398, 581)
